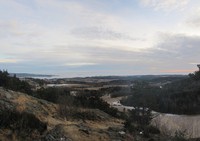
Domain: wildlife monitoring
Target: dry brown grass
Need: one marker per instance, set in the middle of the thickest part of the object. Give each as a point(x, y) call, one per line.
point(21, 102)
point(77, 135)
point(48, 113)
point(169, 124)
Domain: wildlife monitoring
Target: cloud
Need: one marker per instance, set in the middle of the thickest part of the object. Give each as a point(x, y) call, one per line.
point(79, 64)
point(178, 71)
point(194, 18)
point(175, 51)
point(179, 44)
point(100, 33)
point(9, 61)
point(72, 22)
point(17, 29)
point(165, 5)
point(194, 63)
point(77, 36)
point(172, 51)
point(194, 22)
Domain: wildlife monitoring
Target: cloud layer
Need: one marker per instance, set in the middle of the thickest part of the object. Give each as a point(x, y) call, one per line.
point(81, 37)
point(165, 5)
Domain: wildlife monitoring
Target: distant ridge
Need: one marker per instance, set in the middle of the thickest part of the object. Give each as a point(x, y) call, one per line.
point(25, 75)
point(137, 76)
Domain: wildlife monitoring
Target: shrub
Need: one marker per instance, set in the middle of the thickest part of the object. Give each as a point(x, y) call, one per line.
point(152, 130)
point(22, 123)
point(180, 136)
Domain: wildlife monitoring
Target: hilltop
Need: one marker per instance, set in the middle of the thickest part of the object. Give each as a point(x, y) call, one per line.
point(24, 117)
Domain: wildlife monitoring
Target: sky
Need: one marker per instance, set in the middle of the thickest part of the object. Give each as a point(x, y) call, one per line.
point(100, 37)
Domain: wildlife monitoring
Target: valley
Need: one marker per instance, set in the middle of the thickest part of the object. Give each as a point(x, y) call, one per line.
point(98, 108)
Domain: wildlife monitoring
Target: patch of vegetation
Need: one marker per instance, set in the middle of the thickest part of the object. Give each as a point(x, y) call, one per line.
point(95, 102)
point(121, 92)
point(84, 99)
point(51, 94)
point(195, 75)
point(23, 124)
point(180, 136)
point(138, 123)
point(13, 83)
point(178, 97)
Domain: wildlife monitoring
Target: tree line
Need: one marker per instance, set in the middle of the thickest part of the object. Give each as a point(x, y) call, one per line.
point(178, 97)
point(14, 83)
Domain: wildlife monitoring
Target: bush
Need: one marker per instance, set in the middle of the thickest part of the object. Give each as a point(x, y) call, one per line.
point(180, 136)
point(151, 130)
point(13, 83)
point(128, 126)
point(22, 123)
point(51, 94)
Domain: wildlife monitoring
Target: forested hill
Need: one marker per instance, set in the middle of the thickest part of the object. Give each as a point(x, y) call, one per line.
point(178, 97)
point(13, 83)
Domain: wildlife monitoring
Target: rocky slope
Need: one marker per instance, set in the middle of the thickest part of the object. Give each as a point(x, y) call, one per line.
point(23, 117)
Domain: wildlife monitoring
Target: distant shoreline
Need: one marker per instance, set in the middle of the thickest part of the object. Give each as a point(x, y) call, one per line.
point(127, 77)
point(28, 75)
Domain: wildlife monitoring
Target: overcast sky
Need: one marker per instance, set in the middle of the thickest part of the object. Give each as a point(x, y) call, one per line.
point(100, 37)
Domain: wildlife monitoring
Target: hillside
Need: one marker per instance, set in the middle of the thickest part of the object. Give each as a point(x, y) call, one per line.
point(179, 97)
point(55, 113)
point(27, 118)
